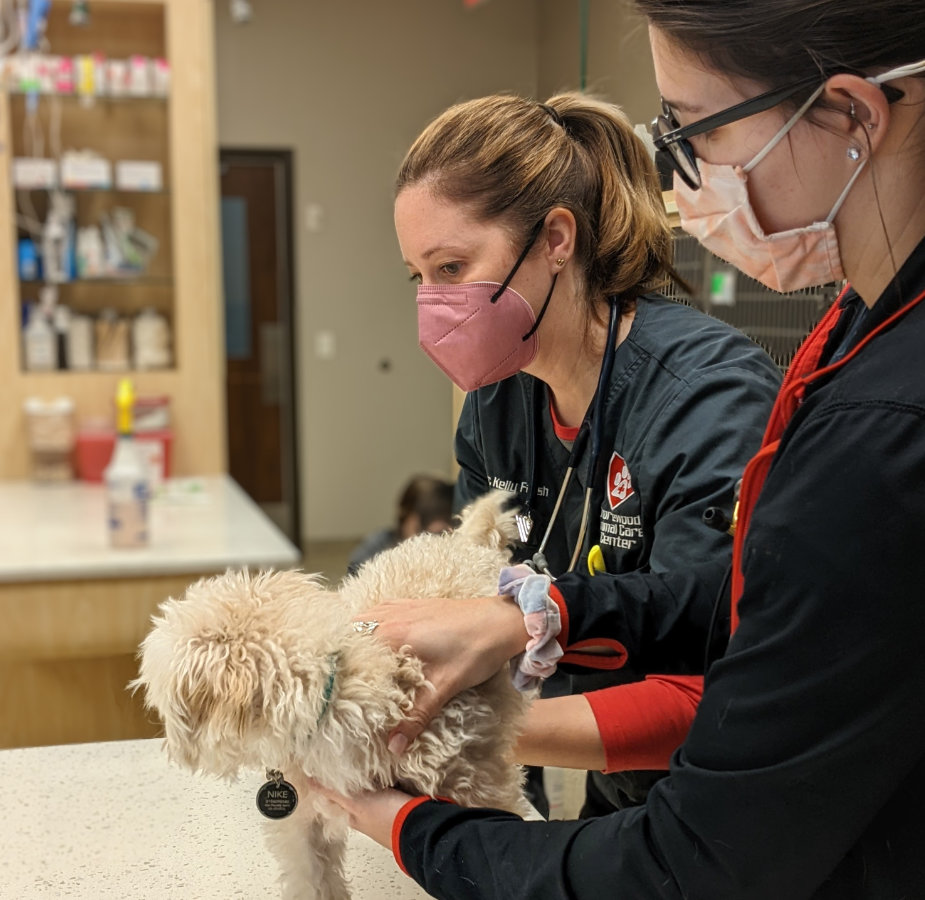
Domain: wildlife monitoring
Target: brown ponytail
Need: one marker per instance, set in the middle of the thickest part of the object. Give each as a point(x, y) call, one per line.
point(513, 160)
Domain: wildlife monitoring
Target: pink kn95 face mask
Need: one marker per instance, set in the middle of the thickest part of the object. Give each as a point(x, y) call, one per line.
point(475, 334)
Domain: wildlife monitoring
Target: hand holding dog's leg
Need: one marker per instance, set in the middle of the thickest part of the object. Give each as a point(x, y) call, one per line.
point(369, 812)
point(461, 643)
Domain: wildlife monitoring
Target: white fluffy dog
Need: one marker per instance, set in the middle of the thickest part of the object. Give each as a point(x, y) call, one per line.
point(267, 671)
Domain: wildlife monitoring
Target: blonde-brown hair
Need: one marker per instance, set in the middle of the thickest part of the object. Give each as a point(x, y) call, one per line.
point(512, 160)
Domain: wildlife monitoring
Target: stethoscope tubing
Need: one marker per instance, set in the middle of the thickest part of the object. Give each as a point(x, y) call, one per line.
point(593, 425)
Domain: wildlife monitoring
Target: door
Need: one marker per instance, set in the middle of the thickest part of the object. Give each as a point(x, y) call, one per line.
point(256, 217)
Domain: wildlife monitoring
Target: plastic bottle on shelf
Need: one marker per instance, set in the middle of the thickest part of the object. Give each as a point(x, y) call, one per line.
point(127, 479)
point(40, 353)
point(80, 343)
point(112, 341)
point(62, 325)
point(57, 239)
point(151, 340)
point(29, 266)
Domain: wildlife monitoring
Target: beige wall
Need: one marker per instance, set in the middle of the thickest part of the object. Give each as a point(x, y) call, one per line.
point(348, 85)
point(619, 65)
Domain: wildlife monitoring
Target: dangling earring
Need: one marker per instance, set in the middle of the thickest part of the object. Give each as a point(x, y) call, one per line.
point(854, 153)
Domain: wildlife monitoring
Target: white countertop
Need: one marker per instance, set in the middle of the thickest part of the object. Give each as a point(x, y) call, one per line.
point(58, 531)
point(116, 820)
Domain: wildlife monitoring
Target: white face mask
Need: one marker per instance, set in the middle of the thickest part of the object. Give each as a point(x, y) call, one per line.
point(721, 217)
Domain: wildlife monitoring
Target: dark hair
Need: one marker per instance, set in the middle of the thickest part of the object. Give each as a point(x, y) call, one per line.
point(512, 160)
point(780, 42)
point(430, 498)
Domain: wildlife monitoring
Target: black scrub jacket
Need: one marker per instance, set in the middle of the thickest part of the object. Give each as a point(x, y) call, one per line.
point(684, 410)
point(803, 774)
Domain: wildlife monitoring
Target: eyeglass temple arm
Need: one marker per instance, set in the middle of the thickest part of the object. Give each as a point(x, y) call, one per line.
point(739, 111)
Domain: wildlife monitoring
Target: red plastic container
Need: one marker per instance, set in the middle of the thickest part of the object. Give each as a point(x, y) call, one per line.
point(94, 446)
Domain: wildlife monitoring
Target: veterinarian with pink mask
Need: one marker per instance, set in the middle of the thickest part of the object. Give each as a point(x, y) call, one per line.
point(538, 236)
point(797, 128)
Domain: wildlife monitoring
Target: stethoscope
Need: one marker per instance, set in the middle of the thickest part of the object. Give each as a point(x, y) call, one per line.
point(592, 426)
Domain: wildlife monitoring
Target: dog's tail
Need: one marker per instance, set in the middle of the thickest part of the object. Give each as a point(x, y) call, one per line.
point(489, 520)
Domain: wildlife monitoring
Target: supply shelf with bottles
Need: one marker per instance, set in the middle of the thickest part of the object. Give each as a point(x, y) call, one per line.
point(110, 264)
point(90, 137)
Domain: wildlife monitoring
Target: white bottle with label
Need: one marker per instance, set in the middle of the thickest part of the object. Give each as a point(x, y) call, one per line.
point(151, 340)
point(127, 480)
point(57, 238)
point(40, 350)
point(80, 343)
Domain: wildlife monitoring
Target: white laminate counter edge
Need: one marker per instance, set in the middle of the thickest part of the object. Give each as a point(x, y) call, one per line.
point(58, 532)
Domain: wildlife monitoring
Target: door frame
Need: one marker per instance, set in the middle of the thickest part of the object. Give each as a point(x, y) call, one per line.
point(281, 161)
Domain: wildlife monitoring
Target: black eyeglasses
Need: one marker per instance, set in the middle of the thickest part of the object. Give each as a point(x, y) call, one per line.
point(673, 141)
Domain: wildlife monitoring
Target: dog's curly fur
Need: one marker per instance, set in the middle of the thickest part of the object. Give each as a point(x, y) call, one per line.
point(238, 670)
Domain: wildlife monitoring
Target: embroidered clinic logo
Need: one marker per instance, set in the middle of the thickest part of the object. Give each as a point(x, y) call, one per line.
point(619, 483)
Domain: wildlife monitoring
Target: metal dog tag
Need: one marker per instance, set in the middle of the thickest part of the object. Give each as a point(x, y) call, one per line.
point(277, 798)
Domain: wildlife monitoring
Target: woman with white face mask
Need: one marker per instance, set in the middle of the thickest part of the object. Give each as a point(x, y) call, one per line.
point(797, 128)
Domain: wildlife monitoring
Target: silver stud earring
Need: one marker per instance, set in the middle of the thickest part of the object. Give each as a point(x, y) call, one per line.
point(854, 153)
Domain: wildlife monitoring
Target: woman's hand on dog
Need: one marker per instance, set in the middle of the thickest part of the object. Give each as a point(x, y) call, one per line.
point(460, 643)
point(370, 812)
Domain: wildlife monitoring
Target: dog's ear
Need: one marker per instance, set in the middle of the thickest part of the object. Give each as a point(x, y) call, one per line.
point(490, 520)
point(233, 671)
point(205, 689)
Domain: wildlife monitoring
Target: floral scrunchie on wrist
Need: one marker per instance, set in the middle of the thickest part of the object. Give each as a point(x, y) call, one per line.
point(542, 621)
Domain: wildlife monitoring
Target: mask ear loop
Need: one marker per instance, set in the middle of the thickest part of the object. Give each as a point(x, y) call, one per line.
point(915, 68)
point(844, 193)
point(770, 145)
point(531, 240)
point(539, 318)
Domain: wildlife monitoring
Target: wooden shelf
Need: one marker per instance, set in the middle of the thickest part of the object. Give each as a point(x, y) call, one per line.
point(88, 99)
point(116, 280)
point(183, 281)
point(132, 192)
point(119, 28)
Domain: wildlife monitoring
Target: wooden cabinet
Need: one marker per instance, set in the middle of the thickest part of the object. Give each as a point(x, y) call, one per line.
point(182, 281)
point(75, 610)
